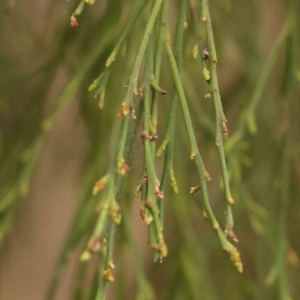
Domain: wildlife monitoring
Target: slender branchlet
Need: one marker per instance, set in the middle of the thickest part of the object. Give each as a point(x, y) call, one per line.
point(197, 32)
point(145, 290)
point(101, 81)
point(168, 169)
point(132, 86)
point(78, 11)
point(107, 275)
point(221, 128)
point(235, 257)
point(155, 230)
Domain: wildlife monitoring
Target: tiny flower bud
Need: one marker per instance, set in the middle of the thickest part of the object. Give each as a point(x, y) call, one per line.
point(205, 215)
point(111, 265)
point(236, 259)
point(194, 190)
point(100, 185)
point(124, 110)
point(195, 51)
point(85, 256)
point(145, 135)
point(74, 22)
point(216, 226)
point(143, 213)
point(204, 19)
point(108, 276)
point(206, 74)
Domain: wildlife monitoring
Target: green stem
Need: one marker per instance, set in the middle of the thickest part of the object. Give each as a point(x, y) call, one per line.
point(220, 117)
point(169, 155)
point(195, 151)
point(102, 80)
point(197, 30)
point(108, 261)
point(152, 179)
point(77, 13)
point(132, 86)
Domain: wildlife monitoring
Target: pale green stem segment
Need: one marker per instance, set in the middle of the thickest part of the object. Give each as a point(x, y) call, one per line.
point(114, 192)
point(220, 117)
point(155, 229)
point(79, 10)
point(107, 275)
point(132, 86)
point(77, 13)
point(145, 290)
point(235, 257)
point(197, 32)
point(156, 77)
point(168, 169)
point(101, 81)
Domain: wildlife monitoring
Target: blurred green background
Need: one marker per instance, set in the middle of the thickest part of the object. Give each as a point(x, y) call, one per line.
point(48, 164)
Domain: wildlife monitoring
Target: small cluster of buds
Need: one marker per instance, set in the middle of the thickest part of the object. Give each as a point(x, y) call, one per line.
point(147, 136)
point(230, 200)
point(205, 216)
point(100, 185)
point(192, 156)
point(159, 194)
point(216, 226)
point(108, 276)
point(235, 257)
point(114, 213)
point(94, 246)
point(206, 74)
point(123, 168)
point(194, 190)
point(162, 248)
point(90, 2)
point(74, 22)
point(124, 110)
point(225, 130)
point(145, 179)
point(146, 216)
point(204, 19)
point(132, 112)
point(207, 177)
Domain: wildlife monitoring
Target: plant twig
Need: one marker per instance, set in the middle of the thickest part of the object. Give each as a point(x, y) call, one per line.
point(195, 154)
